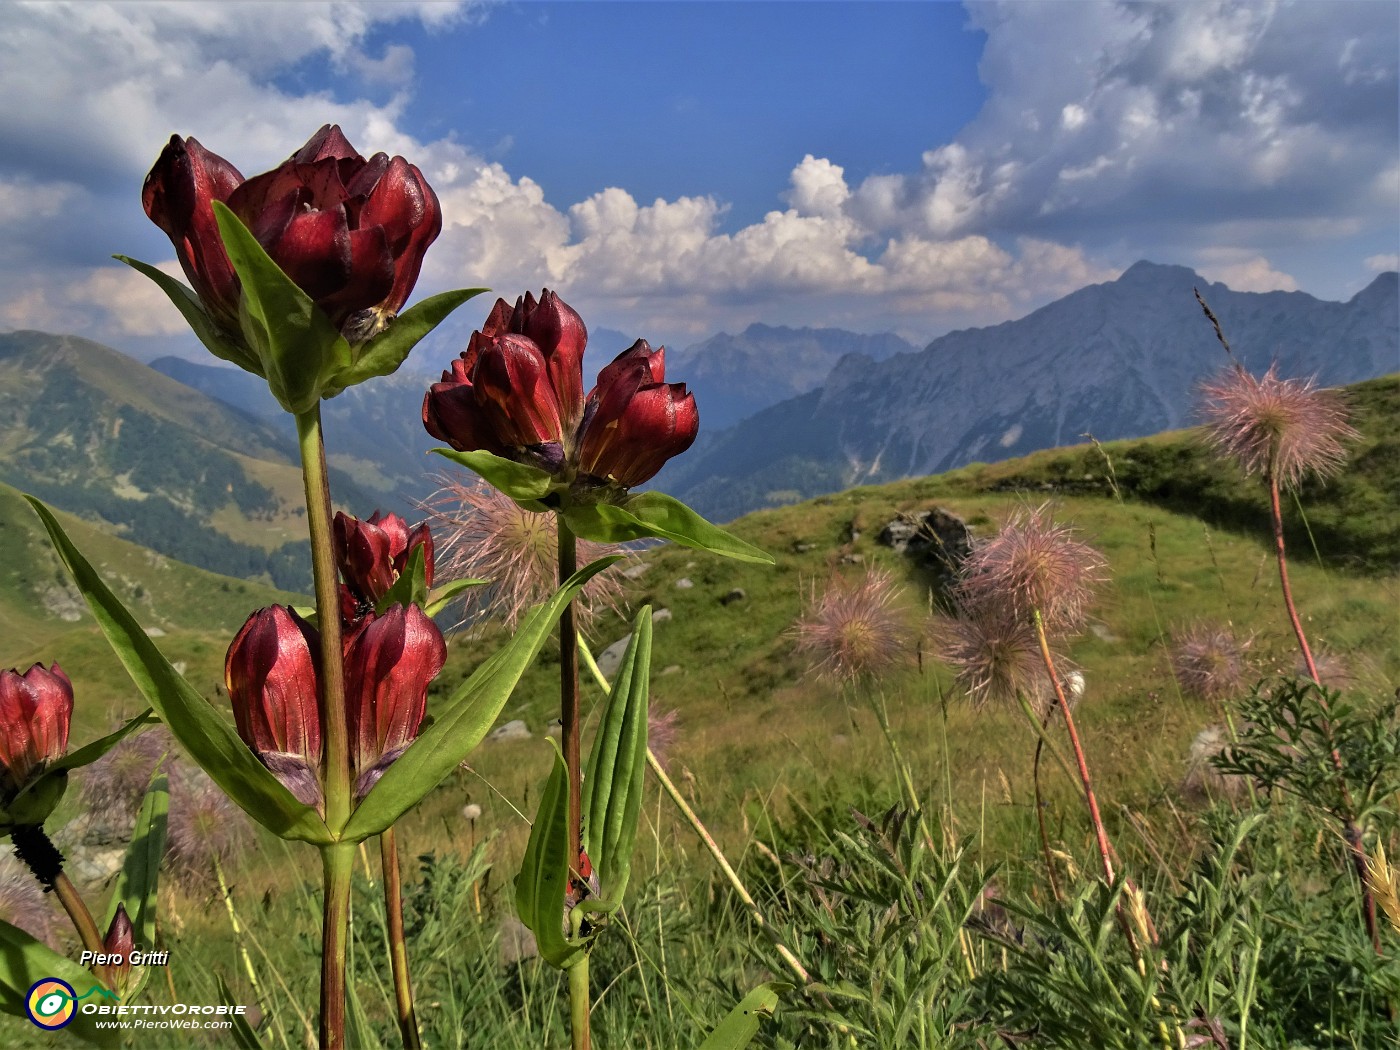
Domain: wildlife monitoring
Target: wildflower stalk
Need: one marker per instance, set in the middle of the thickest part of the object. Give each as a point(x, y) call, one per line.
point(77, 910)
point(1040, 814)
point(336, 859)
point(731, 876)
point(34, 847)
point(1100, 835)
point(1351, 830)
point(1139, 916)
point(573, 761)
point(901, 767)
point(337, 863)
point(398, 947)
point(237, 928)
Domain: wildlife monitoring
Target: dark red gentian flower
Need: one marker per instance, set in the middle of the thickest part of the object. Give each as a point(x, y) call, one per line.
point(35, 711)
point(517, 392)
point(350, 232)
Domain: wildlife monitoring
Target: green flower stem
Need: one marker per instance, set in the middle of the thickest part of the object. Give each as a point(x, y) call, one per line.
point(568, 689)
point(398, 948)
point(337, 862)
point(1351, 830)
point(336, 859)
point(573, 761)
point(877, 701)
point(579, 1037)
point(698, 826)
point(334, 737)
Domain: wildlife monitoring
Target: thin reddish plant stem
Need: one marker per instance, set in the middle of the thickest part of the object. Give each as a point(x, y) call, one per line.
point(1351, 830)
point(1100, 835)
point(1138, 911)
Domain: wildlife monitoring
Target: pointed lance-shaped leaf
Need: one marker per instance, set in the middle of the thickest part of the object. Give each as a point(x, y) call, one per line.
point(655, 514)
point(209, 739)
point(298, 348)
point(614, 778)
point(461, 723)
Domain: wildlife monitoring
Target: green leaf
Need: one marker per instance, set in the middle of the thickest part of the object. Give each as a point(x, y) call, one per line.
point(523, 482)
point(411, 588)
point(462, 722)
point(544, 873)
point(441, 597)
point(383, 354)
point(296, 344)
point(140, 875)
point(90, 753)
point(738, 1029)
point(244, 1037)
point(359, 1033)
point(208, 737)
point(649, 514)
point(139, 878)
point(215, 339)
point(24, 962)
point(37, 801)
point(615, 775)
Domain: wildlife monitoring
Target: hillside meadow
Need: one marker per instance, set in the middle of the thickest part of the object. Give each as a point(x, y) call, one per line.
point(911, 941)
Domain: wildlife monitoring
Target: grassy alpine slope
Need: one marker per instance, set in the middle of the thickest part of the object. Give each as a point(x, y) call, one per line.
point(774, 760)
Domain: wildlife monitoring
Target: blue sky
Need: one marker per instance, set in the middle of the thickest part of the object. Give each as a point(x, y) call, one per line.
point(676, 169)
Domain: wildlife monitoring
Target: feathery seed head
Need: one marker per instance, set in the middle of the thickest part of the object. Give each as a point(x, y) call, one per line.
point(486, 535)
point(116, 782)
point(1202, 777)
point(853, 628)
point(205, 826)
point(663, 728)
point(994, 657)
point(1032, 563)
point(1281, 428)
point(1209, 661)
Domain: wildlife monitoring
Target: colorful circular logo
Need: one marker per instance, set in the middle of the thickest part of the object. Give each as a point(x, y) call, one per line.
point(51, 1003)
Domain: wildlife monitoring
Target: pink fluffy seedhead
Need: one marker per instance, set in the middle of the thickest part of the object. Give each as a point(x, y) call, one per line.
point(1285, 429)
point(994, 657)
point(205, 828)
point(1032, 563)
point(484, 534)
point(1209, 661)
point(853, 629)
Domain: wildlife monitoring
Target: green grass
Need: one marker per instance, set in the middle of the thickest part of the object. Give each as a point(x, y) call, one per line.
point(773, 760)
point(193, 613)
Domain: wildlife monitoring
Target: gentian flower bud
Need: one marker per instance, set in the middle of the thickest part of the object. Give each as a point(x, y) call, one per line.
point(389, 662)
point(178, 196)
point(634, 421)
point(514, 392)
point(35, 711)
point(517, 390)
point(559, 332)
point(372, 554)
point(350, 232)
point(120, 941)
point(272, 675)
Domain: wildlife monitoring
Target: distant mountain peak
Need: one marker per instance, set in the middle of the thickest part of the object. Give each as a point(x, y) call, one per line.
point(1145, 271)
point(1118, 359)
